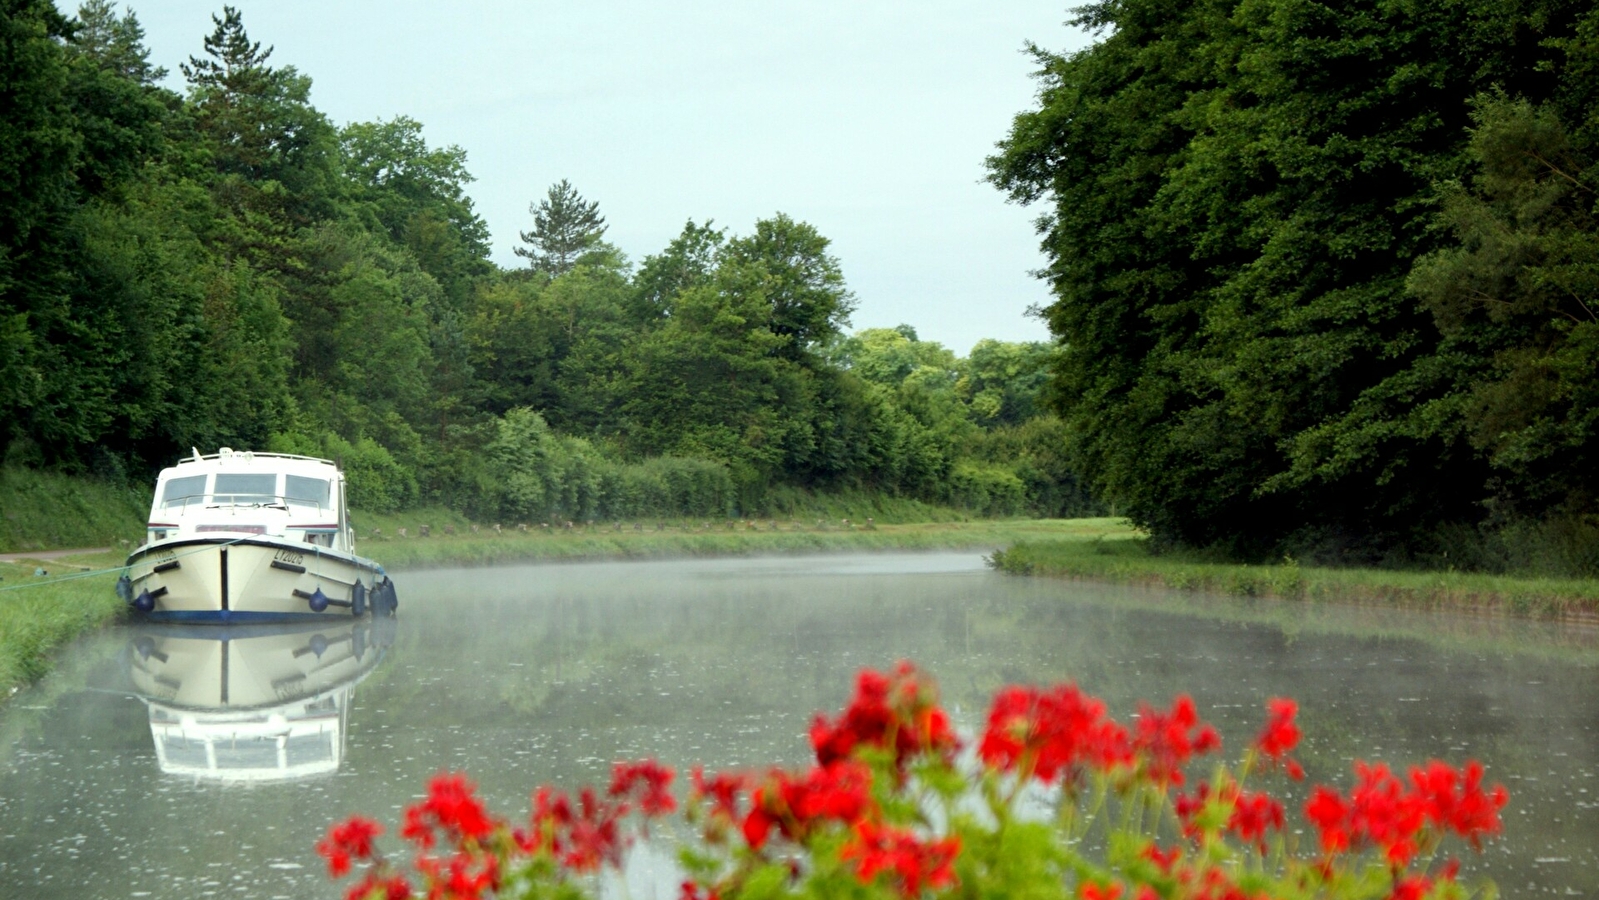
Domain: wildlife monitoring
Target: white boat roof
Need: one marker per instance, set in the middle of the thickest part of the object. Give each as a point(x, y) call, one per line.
point(230, 460)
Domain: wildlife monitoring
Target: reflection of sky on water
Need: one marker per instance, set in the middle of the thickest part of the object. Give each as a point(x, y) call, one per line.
point(531, 674)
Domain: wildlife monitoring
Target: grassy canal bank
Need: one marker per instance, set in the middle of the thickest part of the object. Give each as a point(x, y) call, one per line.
point(1119, 555)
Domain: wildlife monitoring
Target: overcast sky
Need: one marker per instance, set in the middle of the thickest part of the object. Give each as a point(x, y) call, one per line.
point(870, 119)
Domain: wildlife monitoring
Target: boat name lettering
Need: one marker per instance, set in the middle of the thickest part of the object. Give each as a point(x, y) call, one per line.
point(290, 557)
point(164, 557)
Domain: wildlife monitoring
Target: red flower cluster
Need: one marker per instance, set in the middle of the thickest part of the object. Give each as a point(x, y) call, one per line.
point(1455, 800)
point(1382, 812)
point(911, 862)
point(452, 811)
point(861, 814)
point(722, 789)
point(1281, 735)
point(841, 792)
point(351, 839)
point(1189, 807)
point(1167, 741)
point(1043, 733)
point(646, 784)
point(449, 809)
point(1253, 815)
point(463, 876)
point(898, 712)
point(581, 836)
point(1093, 890)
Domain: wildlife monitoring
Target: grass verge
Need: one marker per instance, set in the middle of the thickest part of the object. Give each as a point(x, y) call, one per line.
point(1120, 555)
point(46, 510)
point(40, 614)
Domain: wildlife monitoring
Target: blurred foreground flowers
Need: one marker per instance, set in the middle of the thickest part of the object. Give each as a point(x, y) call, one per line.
point(1061, 801)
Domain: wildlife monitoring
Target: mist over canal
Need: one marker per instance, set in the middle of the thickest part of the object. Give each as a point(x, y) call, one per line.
point(109, 785)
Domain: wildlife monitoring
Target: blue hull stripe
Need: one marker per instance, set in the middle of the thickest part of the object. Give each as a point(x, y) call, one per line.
point(238, 617)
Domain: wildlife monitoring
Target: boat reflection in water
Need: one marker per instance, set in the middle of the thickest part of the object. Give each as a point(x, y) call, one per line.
point(253, 703)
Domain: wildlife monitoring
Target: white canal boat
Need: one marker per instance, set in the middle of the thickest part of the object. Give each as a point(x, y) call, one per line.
point(240, 537)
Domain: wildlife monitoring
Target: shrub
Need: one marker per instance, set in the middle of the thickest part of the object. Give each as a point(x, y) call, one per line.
point(986, 489)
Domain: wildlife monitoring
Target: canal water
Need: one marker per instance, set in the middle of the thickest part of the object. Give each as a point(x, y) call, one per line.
point(170, 763)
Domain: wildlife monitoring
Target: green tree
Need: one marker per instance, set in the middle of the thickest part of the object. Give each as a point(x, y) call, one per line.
point(417, 195)
point(707, 383)
point(38, 150)
point(890, 355)
point(115, 43)
point(1236, 191)
point(805, 285)
point(1520, 295)
point(1002, 383)
point(565, 226)
point(688, 261)
point(274, 152)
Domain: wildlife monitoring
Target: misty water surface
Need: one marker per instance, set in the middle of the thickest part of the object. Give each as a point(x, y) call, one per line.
point(530, 674)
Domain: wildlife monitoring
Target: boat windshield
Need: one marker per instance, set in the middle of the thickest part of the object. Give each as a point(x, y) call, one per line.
point(299, 489)
point(179, 490)
point(245, 487)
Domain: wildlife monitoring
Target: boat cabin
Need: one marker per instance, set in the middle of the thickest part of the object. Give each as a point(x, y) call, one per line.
point(299, 498)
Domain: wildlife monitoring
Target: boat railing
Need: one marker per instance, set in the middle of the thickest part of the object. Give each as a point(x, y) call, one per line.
point(234, 500)
point(248, 455)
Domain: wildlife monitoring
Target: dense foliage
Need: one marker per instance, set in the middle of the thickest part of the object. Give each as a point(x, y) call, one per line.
point(225, 266)
point(1327, 275)
point(1059, 800)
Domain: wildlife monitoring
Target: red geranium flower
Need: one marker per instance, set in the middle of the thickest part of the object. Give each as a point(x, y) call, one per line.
point(1050, 732)
point(1470, 811)
point(1189, 806)
point(722, 789)
point(581, 837)
point(649, 780)
point(1281, 735)
point(1093, 890)
point(911, 861)
point(451, 808)
point(841, 792)
point(350, 839)
point(392, 888)
point(1163, 859)
point(898, 711)
point(1330, 814)
point(1252, 816)
point(1411, 887)
point(1167, 741)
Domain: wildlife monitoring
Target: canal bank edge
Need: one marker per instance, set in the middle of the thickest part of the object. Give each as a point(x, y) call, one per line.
point(1125, 559)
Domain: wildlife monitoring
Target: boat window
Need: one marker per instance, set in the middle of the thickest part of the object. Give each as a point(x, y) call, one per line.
point(180, 489)
point(248, 752)
point(242, 487)
point(305, 749)
point(300, 489)
point(181, 751)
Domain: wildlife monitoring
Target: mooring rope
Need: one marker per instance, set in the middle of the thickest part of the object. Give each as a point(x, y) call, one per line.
point(60, 579)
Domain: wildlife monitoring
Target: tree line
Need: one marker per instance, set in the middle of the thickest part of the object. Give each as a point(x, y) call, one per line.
point(222, 265)
point(1326, 276)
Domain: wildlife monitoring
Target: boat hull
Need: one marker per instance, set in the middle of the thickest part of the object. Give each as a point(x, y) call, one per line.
point(240, 580)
